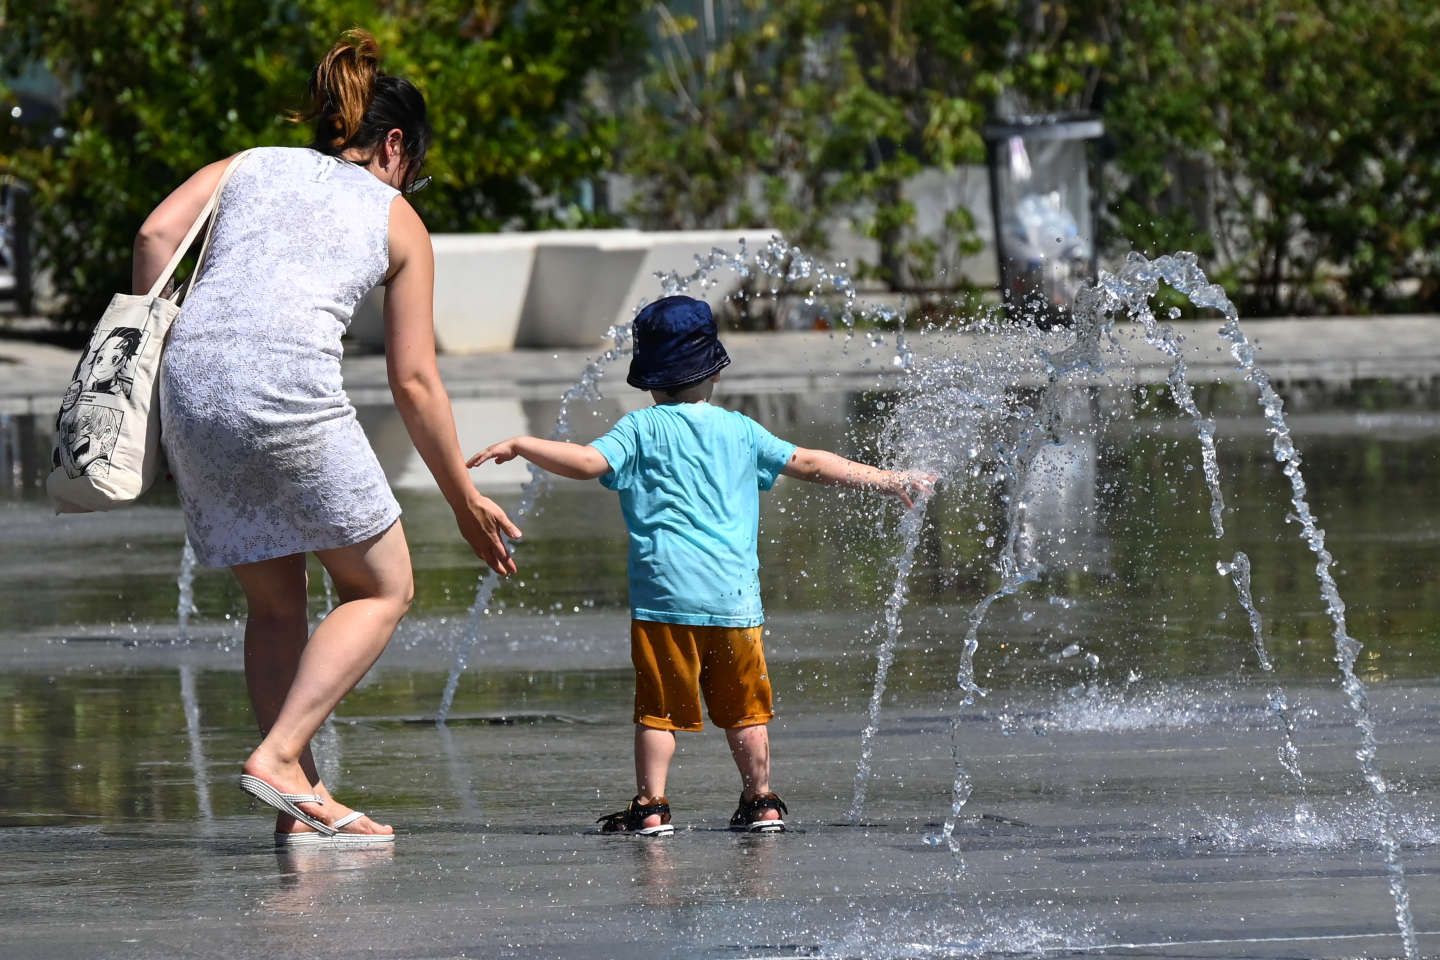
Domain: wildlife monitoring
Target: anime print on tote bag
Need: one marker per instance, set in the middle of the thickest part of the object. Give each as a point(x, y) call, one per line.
point(107, 436)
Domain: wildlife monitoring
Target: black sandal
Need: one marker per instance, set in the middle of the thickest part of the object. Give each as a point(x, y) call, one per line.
point(747, 815)
point(630, 819)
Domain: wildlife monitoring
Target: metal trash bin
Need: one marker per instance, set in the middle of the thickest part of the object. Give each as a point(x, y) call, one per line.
point(16, 266)
point(1044, 199)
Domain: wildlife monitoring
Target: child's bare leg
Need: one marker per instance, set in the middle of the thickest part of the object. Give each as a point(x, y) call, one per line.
point(653, 751)
point(750, 746)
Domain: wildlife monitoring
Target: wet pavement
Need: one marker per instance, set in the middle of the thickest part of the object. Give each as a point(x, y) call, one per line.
point(1176, 839)
point(1131, 805)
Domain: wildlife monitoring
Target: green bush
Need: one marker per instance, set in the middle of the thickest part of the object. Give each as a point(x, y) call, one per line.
point(156, 89)
point(1291, 143)
point(1294, 143)
point(830, 106)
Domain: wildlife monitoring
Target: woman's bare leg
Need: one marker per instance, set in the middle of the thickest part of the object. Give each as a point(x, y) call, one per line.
point(374, 585)
point(277, 627)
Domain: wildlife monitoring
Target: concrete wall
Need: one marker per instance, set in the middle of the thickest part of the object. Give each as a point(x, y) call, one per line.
point(935, 192)
point(552, 289)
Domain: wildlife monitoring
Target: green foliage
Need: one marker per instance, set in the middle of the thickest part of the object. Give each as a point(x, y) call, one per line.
point(508, 85)
point(1291, 143)
point(1315, 127)
point(156, 89)
point(830, 107)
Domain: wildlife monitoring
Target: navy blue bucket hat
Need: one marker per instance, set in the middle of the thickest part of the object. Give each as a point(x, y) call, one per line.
point(676, 344)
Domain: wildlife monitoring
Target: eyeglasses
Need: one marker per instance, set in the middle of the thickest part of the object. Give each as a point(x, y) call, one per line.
point(417, 185)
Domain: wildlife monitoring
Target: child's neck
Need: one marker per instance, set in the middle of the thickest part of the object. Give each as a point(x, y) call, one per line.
point(700, 393)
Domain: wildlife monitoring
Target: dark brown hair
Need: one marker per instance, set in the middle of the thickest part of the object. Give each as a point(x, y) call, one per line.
point(353, 103)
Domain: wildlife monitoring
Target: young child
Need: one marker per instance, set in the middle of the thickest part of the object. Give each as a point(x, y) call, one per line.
point(689, 477)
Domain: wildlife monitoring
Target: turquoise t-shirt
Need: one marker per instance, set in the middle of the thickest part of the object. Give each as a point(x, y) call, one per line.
point(689, 477)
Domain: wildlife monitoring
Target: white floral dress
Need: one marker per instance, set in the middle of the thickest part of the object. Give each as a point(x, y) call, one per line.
point(258, 431)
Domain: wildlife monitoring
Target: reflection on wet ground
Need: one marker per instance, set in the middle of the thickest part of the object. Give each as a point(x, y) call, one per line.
point(1128, 796)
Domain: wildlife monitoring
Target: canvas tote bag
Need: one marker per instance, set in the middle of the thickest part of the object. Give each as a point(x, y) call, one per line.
point(107, 435)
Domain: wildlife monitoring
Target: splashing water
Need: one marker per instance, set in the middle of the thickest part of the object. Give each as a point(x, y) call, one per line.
point(959, 934)
point(185, 586)
point(1092, 708)
point(189, 699)
point(1164, 338)
point(1129, 292)
point(190, 702)
point(910, 527)
point(1347, 648)
point(1015, 572)
point(1019, 431)
point(1329, 826)
point(1238, 570)
point(945, 419)
point(1013, 578)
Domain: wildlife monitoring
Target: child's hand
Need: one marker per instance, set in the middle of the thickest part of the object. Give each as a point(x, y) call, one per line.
point(910, 485)
point(499, 452)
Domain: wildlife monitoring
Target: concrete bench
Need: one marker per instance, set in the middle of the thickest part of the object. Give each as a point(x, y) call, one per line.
point(481, 280)
point(553, 288)
point(578, 286)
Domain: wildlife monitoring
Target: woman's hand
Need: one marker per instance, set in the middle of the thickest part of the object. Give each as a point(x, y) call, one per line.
point(910, 485)
point(485, 526)
point(499, 452)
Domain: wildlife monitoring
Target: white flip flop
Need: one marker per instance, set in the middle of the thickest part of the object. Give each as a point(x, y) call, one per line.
point(308, 838)
point(285, 802)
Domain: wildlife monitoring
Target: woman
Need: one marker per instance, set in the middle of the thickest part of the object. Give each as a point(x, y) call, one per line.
point(264, 445)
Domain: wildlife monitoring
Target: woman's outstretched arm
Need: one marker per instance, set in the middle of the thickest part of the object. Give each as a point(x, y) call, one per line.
point(419, 393)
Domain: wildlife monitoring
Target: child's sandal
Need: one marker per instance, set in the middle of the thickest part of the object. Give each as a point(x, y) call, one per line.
point(747, 815)
point(632, 818)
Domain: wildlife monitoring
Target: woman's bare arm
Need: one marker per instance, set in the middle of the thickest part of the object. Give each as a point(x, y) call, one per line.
point(160, 235)
point(419, 393)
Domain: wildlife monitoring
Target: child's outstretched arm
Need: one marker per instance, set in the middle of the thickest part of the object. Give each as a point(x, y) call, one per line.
point(574, 460)
point(822, 466)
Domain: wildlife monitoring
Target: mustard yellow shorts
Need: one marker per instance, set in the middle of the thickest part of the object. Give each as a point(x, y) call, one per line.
point(675, 664)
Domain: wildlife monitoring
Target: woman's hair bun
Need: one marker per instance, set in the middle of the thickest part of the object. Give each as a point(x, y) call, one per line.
point(342, 86)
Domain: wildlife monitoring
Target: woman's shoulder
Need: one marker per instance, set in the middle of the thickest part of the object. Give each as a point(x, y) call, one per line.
point(305, 160)
point(266, 162)
point(269, 154)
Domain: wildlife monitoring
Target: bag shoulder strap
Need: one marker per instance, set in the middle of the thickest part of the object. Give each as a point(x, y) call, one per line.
point(201, 220)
